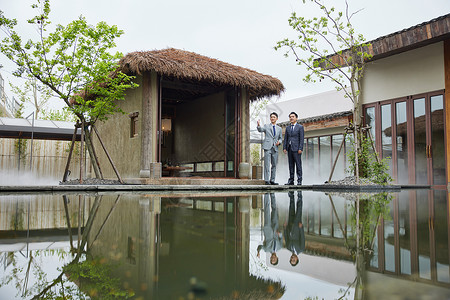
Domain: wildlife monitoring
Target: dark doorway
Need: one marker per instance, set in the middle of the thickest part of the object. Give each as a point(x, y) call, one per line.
point(198, 129)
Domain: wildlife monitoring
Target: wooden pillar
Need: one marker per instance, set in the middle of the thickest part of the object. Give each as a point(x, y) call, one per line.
point(149, 122)
point(447, 104)
point(149, 244)
point(245, 127)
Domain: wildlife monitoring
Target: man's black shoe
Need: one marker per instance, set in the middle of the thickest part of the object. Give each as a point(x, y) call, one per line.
point(289, 183)
point(273, 183)
point(299, 183)
point(267, 182)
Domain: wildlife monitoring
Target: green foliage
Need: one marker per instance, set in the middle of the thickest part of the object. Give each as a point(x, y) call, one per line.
point(258, 106)
point(373, 208)
point(58, 115)
point(329, 47)
point(33, 93)
point(62, 115)
point(94, 277)
point(20, 145)
point(255, 150)
point(320, 38)
point(368, 165)
point(72, 61)
point(18, 221)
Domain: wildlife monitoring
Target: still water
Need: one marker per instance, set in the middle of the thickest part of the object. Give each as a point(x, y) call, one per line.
point(290, 245)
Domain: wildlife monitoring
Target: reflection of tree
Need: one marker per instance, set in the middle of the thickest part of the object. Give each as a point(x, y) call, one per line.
point(92, 277)
point(33, 266)
point(366, 214)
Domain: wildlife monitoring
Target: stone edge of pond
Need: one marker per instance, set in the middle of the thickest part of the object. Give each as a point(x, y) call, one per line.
point(112, 188)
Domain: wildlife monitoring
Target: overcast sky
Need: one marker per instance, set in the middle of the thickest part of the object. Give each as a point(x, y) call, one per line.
point(240, 32)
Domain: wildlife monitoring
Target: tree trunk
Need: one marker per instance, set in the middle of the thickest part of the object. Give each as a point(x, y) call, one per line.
point(356, 132)
point(94, 159)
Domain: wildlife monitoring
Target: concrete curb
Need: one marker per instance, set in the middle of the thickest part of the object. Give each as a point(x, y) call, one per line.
point(166, 188)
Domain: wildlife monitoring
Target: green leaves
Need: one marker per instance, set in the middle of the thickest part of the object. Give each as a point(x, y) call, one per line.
point(329, 32)
point(368, 165)
point(72, 60)
point(96, 280)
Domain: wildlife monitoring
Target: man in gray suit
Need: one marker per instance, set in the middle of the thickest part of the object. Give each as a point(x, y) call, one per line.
point(273, 237)
point(273, 138)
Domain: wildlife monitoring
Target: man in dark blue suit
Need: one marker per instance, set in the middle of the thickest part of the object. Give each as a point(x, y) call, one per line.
point(293, 147)
point(294, 233)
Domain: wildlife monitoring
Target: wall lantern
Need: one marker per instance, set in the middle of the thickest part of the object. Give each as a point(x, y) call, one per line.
point(166, 124)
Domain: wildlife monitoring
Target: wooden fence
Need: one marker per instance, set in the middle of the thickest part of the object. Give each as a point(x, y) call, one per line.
point(45, 160)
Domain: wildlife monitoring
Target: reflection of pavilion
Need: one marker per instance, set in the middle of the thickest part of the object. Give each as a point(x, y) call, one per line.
point(161, 243)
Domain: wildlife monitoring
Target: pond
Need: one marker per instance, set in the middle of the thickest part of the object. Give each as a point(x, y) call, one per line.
point(225, 245)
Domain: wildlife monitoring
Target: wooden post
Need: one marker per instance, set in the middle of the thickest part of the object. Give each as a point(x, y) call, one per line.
point(107, 154)
point(79, 223)
point(66, 171)
point(106, 219)
point(66, 208)
point(89, 222)
point(344, 231)
point(447, 105)
point(373, 145)
point(81, 152)
point(93, 154)
point(337, 157)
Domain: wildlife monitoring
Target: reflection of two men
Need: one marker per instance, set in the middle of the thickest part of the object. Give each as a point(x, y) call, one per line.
point(273, 237)
point(294, 235)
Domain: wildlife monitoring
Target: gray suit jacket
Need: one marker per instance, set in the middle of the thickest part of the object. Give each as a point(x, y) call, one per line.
point(270, 140)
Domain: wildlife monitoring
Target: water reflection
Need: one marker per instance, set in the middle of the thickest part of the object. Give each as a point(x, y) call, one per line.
point(225, 246)
point(273, 238)
point(294, 233)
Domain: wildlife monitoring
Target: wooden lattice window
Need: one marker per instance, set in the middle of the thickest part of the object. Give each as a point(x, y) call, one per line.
point(133, 124)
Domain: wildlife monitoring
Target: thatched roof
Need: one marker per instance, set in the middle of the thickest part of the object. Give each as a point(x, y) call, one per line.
point(185, 65)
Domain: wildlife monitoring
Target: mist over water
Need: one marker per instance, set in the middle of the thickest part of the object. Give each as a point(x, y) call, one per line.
point(14, 178)
point(310, 172)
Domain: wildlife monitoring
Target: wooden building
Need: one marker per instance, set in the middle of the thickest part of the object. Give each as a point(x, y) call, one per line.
point(406, 101)
point(189, 116)
point(405, 95)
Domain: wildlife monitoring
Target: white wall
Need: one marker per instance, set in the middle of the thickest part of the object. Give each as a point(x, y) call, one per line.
point(310, 106)
point(409, 73)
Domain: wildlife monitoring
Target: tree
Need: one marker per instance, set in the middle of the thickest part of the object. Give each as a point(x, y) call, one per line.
point(40, 95)
point(336, 52)
point(74, 62)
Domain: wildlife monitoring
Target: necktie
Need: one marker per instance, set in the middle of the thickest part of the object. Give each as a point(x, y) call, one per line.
point(273, 130)
point(292, 131)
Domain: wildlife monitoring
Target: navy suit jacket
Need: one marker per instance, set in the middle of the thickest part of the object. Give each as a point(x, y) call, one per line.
point(294, 138)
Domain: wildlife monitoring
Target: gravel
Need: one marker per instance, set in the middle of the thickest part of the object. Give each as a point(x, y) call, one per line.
point(91, 181)
point(351, 180)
